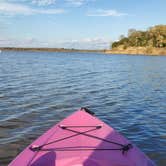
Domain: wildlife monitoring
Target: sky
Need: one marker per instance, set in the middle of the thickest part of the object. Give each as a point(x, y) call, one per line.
point(81, 24)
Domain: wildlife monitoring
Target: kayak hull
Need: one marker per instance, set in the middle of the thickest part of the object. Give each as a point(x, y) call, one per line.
point(81, 139)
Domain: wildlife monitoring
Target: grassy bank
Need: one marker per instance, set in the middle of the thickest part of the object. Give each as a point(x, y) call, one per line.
point(138, 50)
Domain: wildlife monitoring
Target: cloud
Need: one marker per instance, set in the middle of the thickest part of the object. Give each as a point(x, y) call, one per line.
point(75, 2)
point(26, 42)
point(105, 13)
point(78, 3)
point(86, 43)
point(18, 9)
point(44, 2)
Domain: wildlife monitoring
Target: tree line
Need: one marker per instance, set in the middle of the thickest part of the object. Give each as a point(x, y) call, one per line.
point(153, 37)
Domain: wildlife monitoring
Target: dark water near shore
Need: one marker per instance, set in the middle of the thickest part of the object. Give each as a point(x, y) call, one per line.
point(38, 89)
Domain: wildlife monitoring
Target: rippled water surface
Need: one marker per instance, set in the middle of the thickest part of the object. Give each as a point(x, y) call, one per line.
point(39, 89)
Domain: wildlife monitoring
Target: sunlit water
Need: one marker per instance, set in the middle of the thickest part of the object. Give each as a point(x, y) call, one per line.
point(38, 89)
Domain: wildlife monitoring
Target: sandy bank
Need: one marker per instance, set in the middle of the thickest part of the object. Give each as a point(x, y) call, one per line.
point(138, 50)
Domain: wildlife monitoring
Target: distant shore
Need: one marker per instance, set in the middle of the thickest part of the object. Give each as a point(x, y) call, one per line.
point(49, 49)
point(129, 51)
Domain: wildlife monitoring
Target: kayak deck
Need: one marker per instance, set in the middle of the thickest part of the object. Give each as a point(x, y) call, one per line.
point(81, 140)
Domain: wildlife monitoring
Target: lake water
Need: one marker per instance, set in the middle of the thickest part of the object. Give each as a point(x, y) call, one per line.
point(38, 89)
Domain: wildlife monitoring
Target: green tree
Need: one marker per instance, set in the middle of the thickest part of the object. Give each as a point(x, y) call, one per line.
point(153, 37)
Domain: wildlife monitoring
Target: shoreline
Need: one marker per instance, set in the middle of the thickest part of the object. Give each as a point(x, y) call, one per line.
point(43, 49)
point(138, 51)
point(129, 51)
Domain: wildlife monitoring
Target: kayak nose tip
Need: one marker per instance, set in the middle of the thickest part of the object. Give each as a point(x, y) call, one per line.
point(88, 111)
